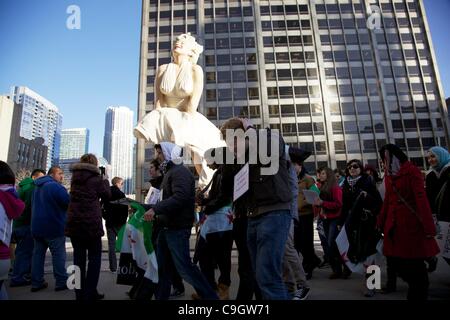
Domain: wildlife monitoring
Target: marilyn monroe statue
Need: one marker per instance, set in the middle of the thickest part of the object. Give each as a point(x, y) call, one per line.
point(178, 88)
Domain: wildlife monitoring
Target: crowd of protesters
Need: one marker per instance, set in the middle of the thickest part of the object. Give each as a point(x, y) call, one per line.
point(272, 224)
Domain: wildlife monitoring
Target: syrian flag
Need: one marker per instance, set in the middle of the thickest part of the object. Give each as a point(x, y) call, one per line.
point(360, 267)
point(135, 237)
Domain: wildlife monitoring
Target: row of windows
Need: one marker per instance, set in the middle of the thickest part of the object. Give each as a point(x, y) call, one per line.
point(411, 125)
point(297, 91)
point(283, 25)
point(226, 43)
point(232, 94)
point(175, 1)
point(281, 41)
point(353, 146)
point(224, 113)
point(231, 12)
point(288, 74)
point(302, 129)
point(364, 126)
point(286, 9)
point(224, 27)
point(286, 57)
point(341, 39)
point(225, 60)
point(355, 72)
point(235, 76)
point(366, 55)
point(399, 89)
point(292, 110)
point(343, 8)
point(177, 29)
point(358, 7)
point(176, 14)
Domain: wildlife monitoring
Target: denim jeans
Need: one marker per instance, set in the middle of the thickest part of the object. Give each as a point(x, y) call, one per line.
point(247, 283)
point(4, 268)
point(331, 249)
point(266, 240)
point(89, 279)
point(23, 253)
point(173, 252)
point(112, 233)
point(57, 248)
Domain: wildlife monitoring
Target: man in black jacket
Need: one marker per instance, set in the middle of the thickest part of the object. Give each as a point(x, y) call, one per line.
point(268, 201)
point(115, 216)
point(175, 212)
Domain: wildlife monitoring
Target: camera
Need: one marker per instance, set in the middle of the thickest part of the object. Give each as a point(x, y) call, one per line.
point(102, 170)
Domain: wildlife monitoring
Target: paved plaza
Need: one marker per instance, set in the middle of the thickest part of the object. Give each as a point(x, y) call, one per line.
point(321, 287)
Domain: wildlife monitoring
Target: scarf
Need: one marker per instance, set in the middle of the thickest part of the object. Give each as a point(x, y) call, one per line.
point(163, 166)
point(443, 158)
point(352, 181)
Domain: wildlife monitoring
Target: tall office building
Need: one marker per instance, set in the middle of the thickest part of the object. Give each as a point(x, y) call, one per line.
point(40, 118)
point(336, 77)
point(74, 143)
point(118, 144)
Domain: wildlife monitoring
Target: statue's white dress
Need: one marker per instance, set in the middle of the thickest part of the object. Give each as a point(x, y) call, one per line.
point(191, 130)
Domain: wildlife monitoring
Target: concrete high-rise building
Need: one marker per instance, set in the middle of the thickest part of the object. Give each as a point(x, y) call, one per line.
point(40, 118)
point(320, 71)
point(18, 152)
point(118, 144)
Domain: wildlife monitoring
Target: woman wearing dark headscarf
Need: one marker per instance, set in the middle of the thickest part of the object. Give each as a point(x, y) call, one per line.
point(406, 222)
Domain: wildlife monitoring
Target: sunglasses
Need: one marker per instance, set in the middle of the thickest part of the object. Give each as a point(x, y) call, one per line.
point(355, 166)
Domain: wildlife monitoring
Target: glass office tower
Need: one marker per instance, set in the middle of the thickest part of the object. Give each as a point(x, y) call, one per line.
point(312, 69)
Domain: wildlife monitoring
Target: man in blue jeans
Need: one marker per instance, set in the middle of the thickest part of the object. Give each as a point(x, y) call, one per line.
point(175, 214)
point(268, 202)
point(22, 233)
point(49, 207)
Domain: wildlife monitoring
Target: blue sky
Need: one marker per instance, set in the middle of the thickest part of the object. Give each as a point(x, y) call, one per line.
point(85, 71)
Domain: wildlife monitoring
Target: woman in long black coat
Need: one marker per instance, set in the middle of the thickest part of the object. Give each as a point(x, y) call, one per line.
point(84, 222)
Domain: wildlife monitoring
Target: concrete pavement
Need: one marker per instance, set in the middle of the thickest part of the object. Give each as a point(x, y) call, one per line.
point(321, 287)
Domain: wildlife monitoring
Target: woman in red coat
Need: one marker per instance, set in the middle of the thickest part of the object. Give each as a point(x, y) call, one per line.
point(406, 222)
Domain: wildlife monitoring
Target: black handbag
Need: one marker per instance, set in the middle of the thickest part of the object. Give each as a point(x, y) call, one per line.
point(126, 273)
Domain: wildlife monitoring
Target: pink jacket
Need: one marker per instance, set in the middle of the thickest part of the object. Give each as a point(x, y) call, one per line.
point(13, 207)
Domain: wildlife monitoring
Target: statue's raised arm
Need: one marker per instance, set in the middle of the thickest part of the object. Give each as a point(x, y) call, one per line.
point(178, 91)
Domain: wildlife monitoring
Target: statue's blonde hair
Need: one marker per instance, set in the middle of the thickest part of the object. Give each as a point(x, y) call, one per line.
point(196, 49)
point(186, 76)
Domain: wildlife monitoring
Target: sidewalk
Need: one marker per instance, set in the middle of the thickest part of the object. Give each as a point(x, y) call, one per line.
point(321, 287)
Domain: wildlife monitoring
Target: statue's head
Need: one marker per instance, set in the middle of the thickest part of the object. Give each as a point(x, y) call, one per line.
point(185, 44)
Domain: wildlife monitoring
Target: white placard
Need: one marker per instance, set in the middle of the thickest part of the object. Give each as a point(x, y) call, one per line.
point(310, 196)
point(241, 182)
point(5, 227)
point(153, 196)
